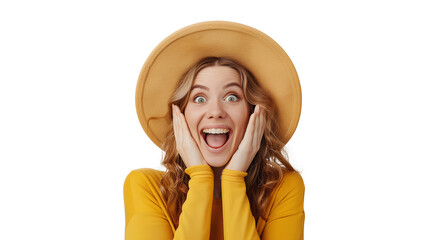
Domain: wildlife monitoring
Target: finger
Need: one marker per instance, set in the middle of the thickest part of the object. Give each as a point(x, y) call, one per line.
point(261, 124)
point(185, 127)
point(257, 127)
point(173, 110)
point(248, 135)
point(177, 117)
point(178, 131)
point(183, 124)
point(260, 117)
point(179, 123)
point(176, 134)
point(173, 113)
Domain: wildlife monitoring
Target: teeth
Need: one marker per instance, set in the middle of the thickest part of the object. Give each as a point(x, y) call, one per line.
point(215, 130)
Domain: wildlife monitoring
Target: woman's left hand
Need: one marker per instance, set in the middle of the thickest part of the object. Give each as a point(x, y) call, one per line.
point(250, 144)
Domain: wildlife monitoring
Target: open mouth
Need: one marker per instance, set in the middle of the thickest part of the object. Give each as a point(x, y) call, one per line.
point(215, 138)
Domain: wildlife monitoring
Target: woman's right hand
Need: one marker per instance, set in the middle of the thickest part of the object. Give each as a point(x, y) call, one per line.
point(185, 144)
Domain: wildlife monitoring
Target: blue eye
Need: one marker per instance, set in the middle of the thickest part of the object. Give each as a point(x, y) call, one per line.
point(199, 99)
point(232, 98)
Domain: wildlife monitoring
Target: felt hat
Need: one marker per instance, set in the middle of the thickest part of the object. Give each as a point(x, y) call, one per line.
point(176, 54)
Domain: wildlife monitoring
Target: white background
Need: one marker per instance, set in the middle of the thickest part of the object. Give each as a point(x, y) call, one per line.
point(69, 133)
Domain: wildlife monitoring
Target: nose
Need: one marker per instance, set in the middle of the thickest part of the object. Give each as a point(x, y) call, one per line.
point(216, 109)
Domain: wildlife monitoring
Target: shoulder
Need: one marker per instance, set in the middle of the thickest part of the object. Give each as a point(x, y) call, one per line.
point(143, 178)
point(291, 189)
point(292, 180)
point(287, 208)
point(141, 192)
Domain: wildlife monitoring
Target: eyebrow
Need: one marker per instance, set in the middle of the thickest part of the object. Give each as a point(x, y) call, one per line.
point(206, 88)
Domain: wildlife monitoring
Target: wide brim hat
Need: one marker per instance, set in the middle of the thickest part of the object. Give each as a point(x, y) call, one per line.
point(176, 54)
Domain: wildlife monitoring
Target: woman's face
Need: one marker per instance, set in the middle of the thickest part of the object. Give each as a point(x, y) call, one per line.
point(217, 113)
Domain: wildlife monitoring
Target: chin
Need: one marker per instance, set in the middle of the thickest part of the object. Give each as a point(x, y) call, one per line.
point(217, 161)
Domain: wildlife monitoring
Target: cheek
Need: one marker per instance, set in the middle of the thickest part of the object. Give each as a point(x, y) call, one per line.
point(241, 118)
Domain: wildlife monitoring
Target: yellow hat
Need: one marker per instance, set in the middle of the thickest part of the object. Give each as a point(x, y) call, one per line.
point(176, 54)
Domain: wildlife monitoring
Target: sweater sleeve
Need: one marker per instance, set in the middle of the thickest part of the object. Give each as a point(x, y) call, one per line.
point(146, 218)
point(238, 221)
point(286, 218)
point(195, 219)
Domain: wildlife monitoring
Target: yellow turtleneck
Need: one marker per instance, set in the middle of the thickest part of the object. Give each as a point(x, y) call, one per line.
point(204, 217)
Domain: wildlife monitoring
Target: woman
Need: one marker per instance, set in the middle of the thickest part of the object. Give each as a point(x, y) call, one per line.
point(226, 176)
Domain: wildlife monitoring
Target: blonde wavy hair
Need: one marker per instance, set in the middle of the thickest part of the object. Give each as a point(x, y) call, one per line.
point(268, 165)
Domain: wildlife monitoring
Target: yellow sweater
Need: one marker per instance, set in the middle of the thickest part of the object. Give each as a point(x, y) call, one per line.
point(203, 217)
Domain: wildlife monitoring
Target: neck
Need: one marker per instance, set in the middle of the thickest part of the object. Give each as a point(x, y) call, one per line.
point(217, 171)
